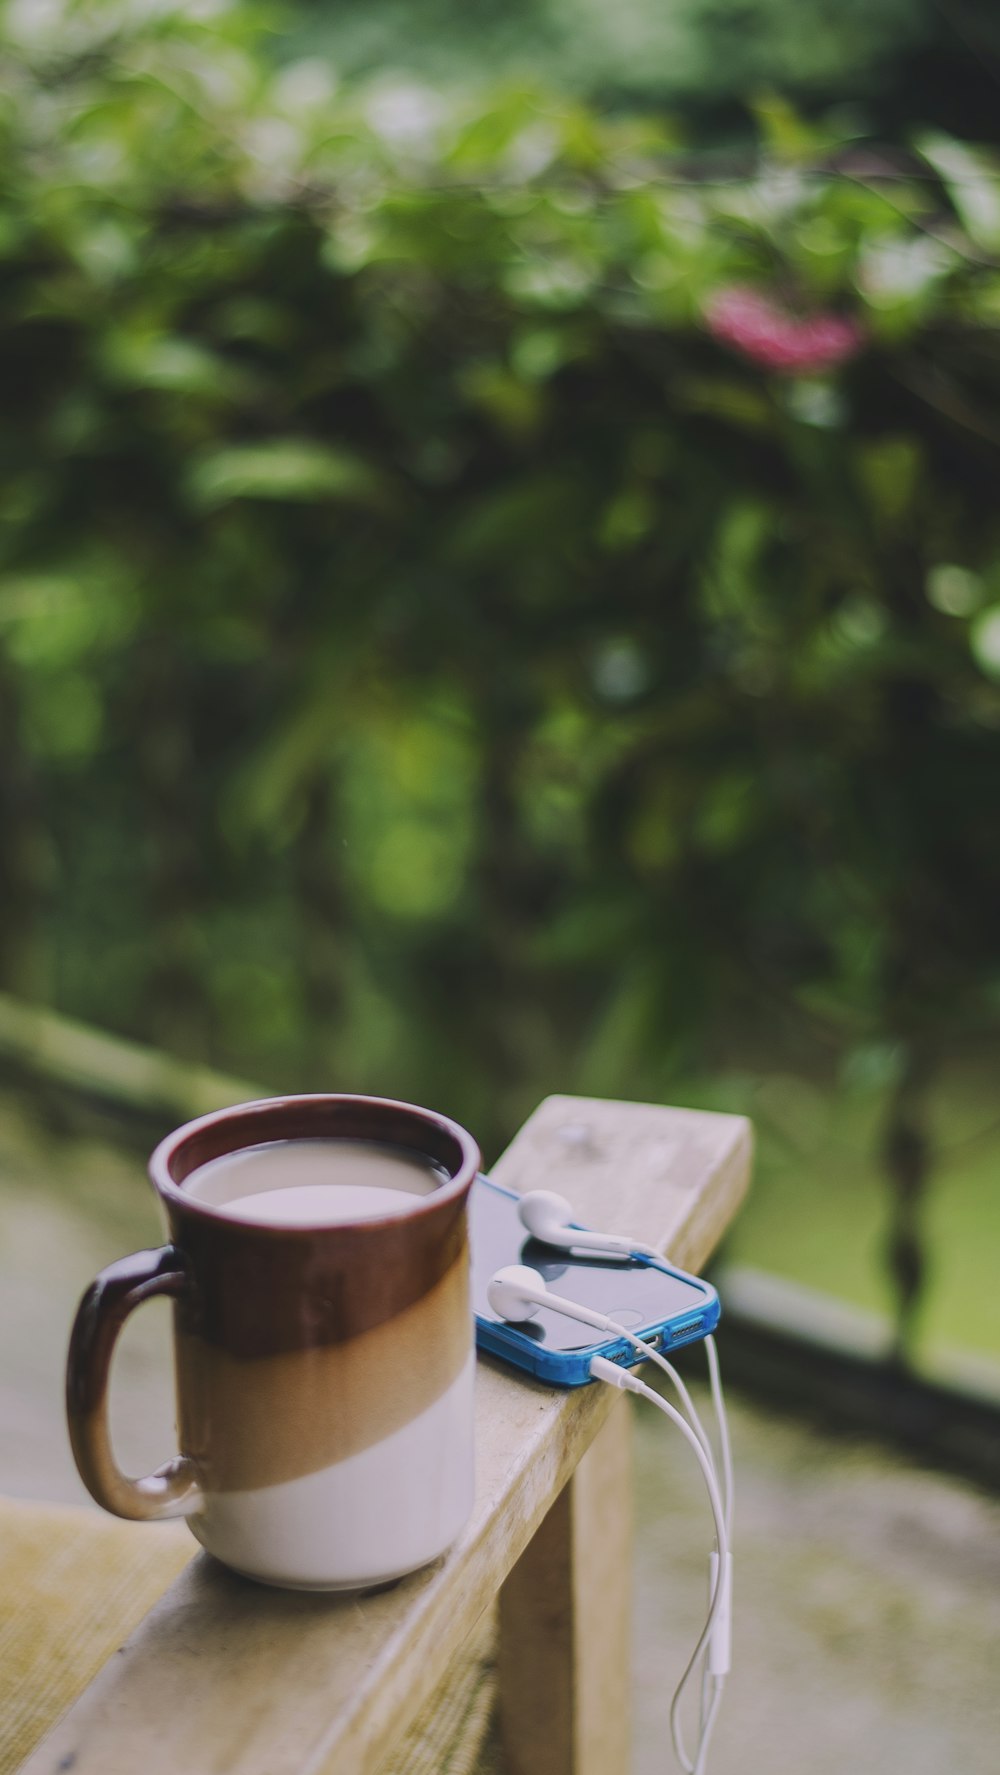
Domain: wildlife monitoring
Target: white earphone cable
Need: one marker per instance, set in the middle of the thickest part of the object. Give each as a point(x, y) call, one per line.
point(711, 1688)
point(710, 1701)
point(548, 1217)
point(708, 1726)
point(722, 1420)
point(715, 1380)
point(655, 1356)
point(626, 1381)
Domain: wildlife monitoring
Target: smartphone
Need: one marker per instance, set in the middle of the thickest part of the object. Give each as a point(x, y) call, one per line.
point(662, 1305)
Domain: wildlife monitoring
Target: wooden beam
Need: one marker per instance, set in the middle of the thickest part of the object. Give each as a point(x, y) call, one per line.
point(227, 1678)
point(565, 1617)
point(58, 1051)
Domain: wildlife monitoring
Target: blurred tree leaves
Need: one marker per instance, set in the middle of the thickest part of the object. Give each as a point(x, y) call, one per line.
point(287, 468)
point(438, 656)
point(696, 55)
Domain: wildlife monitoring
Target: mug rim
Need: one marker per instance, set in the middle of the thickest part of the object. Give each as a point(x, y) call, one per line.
point(172, 1146)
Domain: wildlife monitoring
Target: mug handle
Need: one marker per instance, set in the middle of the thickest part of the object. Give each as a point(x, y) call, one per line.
point(173, 1489)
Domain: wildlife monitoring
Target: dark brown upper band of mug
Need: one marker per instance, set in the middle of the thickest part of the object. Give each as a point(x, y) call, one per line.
point(258, 1290)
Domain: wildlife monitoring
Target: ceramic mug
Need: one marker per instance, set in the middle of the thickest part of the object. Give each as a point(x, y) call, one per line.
point(324, 1373)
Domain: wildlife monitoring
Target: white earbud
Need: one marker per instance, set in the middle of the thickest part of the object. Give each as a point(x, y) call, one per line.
point(517, 1292)
point(549, 1218)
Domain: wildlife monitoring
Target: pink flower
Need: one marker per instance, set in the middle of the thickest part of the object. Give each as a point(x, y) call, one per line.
point(766, 333)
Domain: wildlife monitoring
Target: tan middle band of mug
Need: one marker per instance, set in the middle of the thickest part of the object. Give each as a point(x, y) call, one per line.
point(258, 1421)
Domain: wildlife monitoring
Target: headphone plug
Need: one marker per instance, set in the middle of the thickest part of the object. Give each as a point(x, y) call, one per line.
point(615, 1376)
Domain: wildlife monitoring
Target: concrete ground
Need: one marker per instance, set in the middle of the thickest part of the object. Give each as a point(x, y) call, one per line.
point(867, 1606)
point(67, 1208)
point(867, 1613)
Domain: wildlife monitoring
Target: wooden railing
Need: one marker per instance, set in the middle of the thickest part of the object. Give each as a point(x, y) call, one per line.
point(227, 1678)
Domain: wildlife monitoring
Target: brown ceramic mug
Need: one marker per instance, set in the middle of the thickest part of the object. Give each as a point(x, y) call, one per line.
point(324, 1365)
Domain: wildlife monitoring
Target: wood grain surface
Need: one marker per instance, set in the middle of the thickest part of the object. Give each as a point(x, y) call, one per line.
point(227, 1678)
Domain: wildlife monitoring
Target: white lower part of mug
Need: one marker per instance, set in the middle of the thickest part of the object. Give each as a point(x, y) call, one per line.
point(365, 1521)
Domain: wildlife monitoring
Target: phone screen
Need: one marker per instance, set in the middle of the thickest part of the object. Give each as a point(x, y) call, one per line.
point(635, 1294)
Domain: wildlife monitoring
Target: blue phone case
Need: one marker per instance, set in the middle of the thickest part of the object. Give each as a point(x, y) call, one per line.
point(571, 1368)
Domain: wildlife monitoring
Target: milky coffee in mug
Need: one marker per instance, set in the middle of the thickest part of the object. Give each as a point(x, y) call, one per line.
point(323, 1340)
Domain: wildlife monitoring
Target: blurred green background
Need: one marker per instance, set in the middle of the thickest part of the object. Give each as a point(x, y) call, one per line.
point(500, 575)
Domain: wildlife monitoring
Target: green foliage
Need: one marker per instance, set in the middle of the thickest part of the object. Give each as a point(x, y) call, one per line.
point(696, 54)
point(432, 658)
